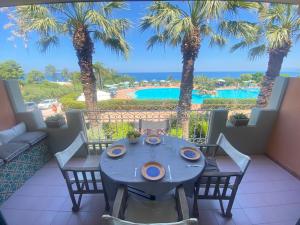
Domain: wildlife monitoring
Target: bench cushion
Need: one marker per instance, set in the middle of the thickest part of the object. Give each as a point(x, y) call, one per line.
point(30, 137)
point(11, 150)
point(9, 134)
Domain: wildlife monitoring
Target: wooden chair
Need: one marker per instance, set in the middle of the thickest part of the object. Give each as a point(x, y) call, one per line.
point(138, 211)
point(157, 127)
point(82, 174)
point(215, 184)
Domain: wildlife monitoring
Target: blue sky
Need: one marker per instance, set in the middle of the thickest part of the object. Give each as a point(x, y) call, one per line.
point(159, 59)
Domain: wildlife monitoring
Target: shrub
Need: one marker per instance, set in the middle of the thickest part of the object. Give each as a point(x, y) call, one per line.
point(69, 102)
point(228, 103)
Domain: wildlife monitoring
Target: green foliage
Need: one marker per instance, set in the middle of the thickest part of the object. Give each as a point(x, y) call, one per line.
point(257, 77)
point(97, 18)
point(108, 76)
point(117, 130)
point(10, 70)
point(66, 74)
point(51, 71)
point(133, 134)
point(69, 102)
point(35, 76)
point(55, 118)
point(45, 90)
point(239, 116)
point(246, 77)
point(216, 103)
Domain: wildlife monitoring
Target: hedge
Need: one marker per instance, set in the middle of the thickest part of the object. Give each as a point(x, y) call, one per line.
point(228, 103)
point(69, 102)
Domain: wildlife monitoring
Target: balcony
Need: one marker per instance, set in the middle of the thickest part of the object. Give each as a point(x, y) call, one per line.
point(268, 194)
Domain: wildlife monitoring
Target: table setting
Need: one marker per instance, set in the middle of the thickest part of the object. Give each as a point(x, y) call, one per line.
point(154, 164)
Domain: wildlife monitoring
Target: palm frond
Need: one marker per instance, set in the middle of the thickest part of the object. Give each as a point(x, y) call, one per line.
point(240, 45)
point(161, 14)
point(257, 51)
point(115, 43)
point(277, 36)
point(217, 40)
point(109, 7)
point(47, 41)
point(156, 39)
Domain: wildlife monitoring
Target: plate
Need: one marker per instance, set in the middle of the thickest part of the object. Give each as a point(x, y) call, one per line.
point(116, 151)
point(152, 139)
point(153, 171)
point(190, 153)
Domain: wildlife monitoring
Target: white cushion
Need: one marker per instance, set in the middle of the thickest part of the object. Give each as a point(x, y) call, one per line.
point(9, 134)
point(19, 129)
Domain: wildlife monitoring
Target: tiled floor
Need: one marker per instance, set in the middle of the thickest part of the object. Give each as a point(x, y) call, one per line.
point(267, 195)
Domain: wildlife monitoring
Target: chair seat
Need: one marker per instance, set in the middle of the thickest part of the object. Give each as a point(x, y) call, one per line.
point(10, 150)
point(91, 162)
point(30, 137)
point(139, 210)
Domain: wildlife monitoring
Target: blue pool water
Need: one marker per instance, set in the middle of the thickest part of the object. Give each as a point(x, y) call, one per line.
point(173, 93)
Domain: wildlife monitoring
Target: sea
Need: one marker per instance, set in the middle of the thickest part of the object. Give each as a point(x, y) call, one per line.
point(149, 76)
point(218, 74)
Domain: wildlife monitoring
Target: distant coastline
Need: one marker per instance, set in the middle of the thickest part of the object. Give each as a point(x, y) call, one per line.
point(139, 76)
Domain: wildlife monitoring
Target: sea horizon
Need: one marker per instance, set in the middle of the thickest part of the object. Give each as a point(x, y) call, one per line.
point(149, 76)
point(139, 76)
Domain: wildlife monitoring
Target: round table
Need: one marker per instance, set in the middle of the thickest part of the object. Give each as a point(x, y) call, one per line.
point(127, 169)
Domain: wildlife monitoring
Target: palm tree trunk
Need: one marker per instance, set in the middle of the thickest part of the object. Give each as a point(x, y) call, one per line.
point(84, 47)
point(189, 48)
point(276, 57)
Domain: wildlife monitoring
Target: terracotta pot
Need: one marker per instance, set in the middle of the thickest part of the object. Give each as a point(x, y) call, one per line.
point(239, 122)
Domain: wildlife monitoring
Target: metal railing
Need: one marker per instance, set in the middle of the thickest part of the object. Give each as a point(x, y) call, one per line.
point(105, 125)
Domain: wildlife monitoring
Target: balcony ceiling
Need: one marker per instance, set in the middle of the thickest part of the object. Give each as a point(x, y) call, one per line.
point(7, 3)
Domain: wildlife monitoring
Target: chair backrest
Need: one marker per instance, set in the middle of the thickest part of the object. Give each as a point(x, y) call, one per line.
point(162, 125)
point(64, 156)
point(239, 158)
point(109, 220)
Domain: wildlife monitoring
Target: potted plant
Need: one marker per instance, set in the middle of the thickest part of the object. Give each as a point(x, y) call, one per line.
point(239, 119)
point(55, 121)
point(133, 136)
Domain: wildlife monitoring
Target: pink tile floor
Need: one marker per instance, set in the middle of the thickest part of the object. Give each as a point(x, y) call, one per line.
point(267, 195)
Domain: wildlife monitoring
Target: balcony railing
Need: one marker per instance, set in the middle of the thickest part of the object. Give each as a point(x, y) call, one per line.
point(114, 124)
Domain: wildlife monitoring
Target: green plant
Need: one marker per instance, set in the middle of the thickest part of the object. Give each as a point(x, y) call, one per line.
point(239, 116)
point(228, 103)
point(133, 134)
point(56, 117)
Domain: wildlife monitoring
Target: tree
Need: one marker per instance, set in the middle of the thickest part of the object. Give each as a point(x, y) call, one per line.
point(35, 76)
point(10, 70)
point(257, 77)
point(85, 23)
point(187, 28)
point(274, 35)
point(246, 77)
point(51, 71)
point(66, 74)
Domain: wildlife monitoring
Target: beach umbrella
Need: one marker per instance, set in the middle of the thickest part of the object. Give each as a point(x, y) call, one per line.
point(162, 81)
point(221, 80)
point(145, 81)
point(136, 82)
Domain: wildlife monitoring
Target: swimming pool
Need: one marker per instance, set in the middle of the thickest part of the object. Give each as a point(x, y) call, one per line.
point(173, 93)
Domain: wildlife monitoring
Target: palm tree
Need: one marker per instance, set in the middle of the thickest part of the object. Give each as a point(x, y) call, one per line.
point(85, 23)
point(188, 28)
point(279, 27)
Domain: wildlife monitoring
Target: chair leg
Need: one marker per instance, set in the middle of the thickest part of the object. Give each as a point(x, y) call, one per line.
point(195, 204)
point(221, 203)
